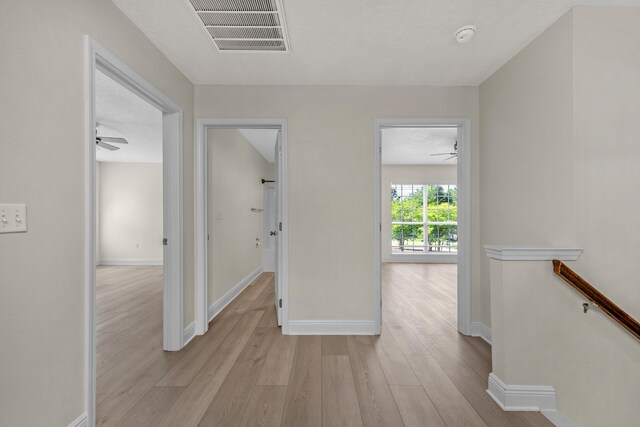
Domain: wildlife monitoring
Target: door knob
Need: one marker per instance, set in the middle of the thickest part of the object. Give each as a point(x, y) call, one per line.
point(273, 233)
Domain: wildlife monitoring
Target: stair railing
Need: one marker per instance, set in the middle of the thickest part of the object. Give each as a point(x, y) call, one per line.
point(596, 298)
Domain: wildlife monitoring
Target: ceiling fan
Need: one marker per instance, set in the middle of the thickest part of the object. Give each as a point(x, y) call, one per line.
point(101, 141)
point(452, 155)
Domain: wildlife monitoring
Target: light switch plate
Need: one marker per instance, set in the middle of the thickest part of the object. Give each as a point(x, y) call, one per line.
point(13, 218)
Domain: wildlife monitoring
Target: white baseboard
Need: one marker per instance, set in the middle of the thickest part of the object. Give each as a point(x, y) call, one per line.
point(81, 421)
point(332, 327)
point(130, 261)
point(557, 418)
point(521, 397)
point(223, 301)
point(189, 333)
point(479, 329)
point(540, 398)
point(422, 258)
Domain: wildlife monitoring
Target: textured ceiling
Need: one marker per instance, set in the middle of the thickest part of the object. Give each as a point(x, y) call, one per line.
point(358, 42)
point(415, 146)
point(123, 114)
point(263, 140)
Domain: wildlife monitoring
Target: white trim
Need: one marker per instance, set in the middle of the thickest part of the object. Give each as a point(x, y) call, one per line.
point(201, 298)
point(479, 329)
point(332, 327)
point(521, 397)
point(557, 418)
point(130, 261)
point(540, 398)
point(464, 213)
point(99, 58)
point(89, 235)
point(189, 333)
point(81, 421)
point(215, 308)
point(532, 253)
point(422, 258)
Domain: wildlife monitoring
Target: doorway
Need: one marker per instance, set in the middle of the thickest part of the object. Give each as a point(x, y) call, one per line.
point(414, 233)
point(100, 60)
point(273, 236)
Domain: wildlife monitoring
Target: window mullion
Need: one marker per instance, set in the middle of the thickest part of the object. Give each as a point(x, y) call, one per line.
point(425, 218)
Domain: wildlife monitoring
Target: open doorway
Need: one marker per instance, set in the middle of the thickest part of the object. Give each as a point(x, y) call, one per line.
point(129, 242)
point(133, 218)
point(421, 173)
point(241, 215)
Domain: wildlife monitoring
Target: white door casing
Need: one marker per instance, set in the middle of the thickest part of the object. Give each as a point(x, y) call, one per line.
point(278, 229)
point(269, 227)
point(99, 58)
point(464, 213)
point(200, 294)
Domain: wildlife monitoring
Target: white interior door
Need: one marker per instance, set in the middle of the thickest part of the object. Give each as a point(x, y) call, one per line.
point(278, 228)
point(269, 227)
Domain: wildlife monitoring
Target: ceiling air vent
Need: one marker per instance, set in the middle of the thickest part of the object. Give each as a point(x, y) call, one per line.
point(244, 25)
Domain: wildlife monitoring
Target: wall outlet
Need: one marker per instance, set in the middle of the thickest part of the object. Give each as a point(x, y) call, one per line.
point(13, 218)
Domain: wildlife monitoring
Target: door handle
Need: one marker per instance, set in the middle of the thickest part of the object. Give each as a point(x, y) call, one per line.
point(273, 233)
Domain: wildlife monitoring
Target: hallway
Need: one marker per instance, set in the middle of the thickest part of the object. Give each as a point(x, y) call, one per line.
point(419, 372)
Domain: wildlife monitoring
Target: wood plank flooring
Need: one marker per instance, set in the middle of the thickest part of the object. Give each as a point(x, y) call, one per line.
point(243, 372)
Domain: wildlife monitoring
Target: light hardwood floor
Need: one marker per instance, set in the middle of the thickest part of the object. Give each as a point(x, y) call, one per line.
point(243, 372)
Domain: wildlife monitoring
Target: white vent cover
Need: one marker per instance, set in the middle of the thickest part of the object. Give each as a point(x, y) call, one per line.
point(244, 25)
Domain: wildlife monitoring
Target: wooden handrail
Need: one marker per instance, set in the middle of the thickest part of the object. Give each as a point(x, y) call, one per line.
point(597, 298)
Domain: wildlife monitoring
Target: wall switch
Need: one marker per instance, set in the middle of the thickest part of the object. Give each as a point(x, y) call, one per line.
point(13, 218)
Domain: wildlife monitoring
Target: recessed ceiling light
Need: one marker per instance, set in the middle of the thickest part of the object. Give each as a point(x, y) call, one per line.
point(466, 33)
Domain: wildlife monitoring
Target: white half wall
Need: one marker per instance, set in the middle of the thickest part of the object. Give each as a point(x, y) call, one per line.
point(235, 169)
point(415, 174)
point(559, 154)
point(130, 213)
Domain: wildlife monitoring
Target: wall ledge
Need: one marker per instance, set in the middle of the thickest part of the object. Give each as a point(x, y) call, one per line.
point(532, 253)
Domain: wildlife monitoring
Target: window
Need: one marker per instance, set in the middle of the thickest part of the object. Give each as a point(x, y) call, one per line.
point(420, 209)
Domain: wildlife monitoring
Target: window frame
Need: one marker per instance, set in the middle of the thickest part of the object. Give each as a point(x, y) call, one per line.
point(425, 223)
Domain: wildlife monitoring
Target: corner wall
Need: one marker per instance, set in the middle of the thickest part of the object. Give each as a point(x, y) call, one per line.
point(130, 225)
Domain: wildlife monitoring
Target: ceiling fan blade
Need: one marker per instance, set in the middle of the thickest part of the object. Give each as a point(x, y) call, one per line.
point(113, 140)
point(444, 154)
point(452, 157)
point(107, 146)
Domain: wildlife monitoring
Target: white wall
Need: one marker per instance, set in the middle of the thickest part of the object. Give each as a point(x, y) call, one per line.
point(558, 159)
point(416, 174)
point(330, 141)
point(43, 146)
point(130, 212)
point(235, 169)
point(526, 148)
